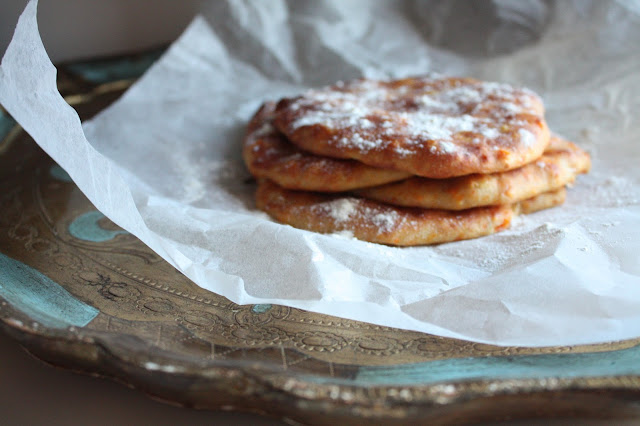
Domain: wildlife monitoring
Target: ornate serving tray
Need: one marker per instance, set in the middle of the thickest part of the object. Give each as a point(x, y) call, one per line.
point(79, 292)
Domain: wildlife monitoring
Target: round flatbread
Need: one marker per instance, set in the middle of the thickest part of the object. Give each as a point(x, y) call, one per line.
point(382, 223)
point(561, 162)
point(542, 201)
point(268, 154)
point(429, 126)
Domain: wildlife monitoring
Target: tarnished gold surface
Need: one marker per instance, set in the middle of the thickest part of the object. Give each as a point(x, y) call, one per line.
point(162, 333)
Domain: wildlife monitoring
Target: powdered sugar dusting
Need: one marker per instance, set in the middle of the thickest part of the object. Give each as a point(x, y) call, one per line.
point(349, 211)
point(384, 221)
point(266, 129)
point(374, 112)
point(447, 146)
point(436, 126)
point(442, 127)
point(525, 239)
point(342, 209)
point(526, 137)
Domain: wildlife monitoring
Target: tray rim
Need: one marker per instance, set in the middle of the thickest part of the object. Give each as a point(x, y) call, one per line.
point(90, 353)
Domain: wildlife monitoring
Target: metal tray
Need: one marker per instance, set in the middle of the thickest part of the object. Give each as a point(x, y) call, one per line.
point(80, 293)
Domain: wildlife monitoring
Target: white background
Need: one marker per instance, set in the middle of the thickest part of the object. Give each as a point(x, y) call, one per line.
point(73, 29)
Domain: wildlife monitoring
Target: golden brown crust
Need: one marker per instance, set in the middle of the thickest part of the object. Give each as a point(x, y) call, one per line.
point(542, 201)
point(431, 127)
point(381, 223)
point(558, 166)
point(268, 154)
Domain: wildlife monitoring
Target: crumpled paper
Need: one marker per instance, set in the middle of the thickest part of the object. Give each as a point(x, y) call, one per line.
point(164, 161)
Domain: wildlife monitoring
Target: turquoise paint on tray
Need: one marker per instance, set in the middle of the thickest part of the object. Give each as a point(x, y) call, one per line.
point(261, 308)
point(610, 363)
point(41, 298)
point(59, 173)
point(6, 124)
point(85, 227)
point(104, 71)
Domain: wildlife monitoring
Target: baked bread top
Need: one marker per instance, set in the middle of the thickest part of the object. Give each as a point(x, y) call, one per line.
point(436, 127)
point(268, 154)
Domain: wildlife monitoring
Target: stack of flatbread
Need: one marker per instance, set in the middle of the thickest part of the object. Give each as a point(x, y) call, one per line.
point(408, 162)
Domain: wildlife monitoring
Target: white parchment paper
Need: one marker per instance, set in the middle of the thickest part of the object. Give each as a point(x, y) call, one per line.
point(164, 161)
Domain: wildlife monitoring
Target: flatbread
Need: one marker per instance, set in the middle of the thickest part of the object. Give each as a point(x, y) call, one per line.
point(268, 154)
point(386, 224)
point(561, 162)
point(542, 201)
point(428, 126)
